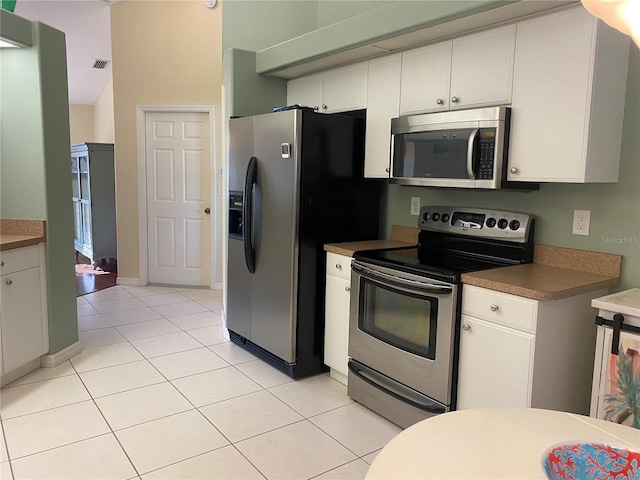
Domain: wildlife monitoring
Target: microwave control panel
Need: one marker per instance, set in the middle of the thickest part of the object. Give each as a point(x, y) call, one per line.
point(486, 159)
point(477, 222)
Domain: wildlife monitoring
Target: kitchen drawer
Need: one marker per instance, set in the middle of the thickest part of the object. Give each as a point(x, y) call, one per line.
point(339, 265)
point(19, 259)
point(501, 308)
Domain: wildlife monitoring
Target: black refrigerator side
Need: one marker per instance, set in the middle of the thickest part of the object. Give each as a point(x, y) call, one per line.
point(239, 278)
point(337, 204)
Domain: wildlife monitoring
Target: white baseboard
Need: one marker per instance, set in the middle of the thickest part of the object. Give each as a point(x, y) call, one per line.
point(61, 357)
point(129, 282)
point(19, 372)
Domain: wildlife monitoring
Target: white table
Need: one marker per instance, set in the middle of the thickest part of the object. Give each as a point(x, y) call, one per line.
point(490, 443)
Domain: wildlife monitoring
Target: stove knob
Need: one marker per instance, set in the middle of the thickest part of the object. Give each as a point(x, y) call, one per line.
point(491, 222)
point(426, 216)
point(502, 223)
point(445, 218)
point(514, 225)
point(435, 217)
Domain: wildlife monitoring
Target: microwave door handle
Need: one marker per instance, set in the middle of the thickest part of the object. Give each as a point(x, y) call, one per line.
point(470, 153)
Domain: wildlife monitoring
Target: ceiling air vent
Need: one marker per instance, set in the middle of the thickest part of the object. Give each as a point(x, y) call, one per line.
point(100, 64)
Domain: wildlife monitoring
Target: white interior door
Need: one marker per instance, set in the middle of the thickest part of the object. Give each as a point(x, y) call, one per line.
point(178, 171)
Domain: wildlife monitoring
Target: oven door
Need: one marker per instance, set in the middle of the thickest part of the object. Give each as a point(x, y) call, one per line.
point(402, 326)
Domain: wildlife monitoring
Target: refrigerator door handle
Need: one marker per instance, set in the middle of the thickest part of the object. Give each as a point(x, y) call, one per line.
point(247, 212)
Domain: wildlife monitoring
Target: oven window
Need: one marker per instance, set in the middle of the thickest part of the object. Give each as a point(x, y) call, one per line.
point(401, 319)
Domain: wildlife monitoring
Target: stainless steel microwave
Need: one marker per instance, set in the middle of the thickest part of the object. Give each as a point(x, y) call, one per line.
point(460, 148)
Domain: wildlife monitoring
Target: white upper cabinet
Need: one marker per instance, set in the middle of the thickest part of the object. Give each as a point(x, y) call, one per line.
point(467, 72)
point(568, 99)
point(426, 74)
point(383, 97)
point(339, 90)
point(305, 91)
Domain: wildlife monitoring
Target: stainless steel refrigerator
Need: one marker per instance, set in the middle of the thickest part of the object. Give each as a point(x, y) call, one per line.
point(295, 183)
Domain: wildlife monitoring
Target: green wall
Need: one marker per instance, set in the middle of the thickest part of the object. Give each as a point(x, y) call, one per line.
point(35, 162)
point(330, 11)
point(256, 24)
point(615, 207)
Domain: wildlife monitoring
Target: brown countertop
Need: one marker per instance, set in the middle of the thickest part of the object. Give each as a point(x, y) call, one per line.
point(400, 237)
point(21, 233)
point(349, 248)
point(555, 273)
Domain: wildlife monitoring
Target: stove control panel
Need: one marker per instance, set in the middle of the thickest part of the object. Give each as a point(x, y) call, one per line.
point(476, 222)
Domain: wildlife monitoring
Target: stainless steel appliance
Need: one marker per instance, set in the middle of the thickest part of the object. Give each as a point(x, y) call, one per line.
point(295, 183)
point(405, 317)
point(615, 390)
point(460, 148)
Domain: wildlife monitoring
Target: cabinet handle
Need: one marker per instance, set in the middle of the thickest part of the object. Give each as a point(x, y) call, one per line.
point(338, 266)
point(347, 289)
point(207, 210)
point(9, 282)
point(494, 308)
point(324, 107)
point(514, 170)
point(315, 108)
point(439, 101)
point(466, 327)
point(386, 169)
point(455, 99)
point(1, 264)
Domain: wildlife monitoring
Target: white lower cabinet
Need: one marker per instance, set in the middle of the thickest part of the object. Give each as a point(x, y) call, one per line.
point(23, 317)
point(492, 354)
point(336, 323)
point(519, 352)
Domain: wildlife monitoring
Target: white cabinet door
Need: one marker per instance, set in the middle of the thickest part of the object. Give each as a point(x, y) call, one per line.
point(496, 365)
point(383, 96)
point(337, 323)
point(568, 99)
point(21, 316)
point(345, 88)
point(425, 79)
point(305, 91)
point(482, 68)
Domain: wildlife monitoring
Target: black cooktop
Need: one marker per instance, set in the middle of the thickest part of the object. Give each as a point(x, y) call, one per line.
point(447, 250)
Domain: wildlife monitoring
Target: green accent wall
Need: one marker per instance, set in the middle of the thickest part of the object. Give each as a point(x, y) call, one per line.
point(330, 11)
point(256, 24)
point(35, 162)
point(615, 207)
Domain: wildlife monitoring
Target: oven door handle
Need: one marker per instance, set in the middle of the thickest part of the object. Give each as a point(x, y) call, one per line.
point(388, 279)
point(395, 389)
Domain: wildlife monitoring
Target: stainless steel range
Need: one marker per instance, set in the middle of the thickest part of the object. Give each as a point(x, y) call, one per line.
point(405, 316)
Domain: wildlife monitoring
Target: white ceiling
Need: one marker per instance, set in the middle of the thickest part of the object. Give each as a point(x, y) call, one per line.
point(86, 24)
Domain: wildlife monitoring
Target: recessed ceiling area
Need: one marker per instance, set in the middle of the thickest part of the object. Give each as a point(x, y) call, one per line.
point(87, 28)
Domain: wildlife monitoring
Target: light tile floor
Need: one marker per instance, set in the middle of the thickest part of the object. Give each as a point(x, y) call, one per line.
point(158, 393)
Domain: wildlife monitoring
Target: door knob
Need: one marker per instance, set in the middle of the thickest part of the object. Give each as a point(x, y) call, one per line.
point(455, 99)
point(207, 210)
point(466, 327)
point(494, 308)
point(347, 289)
point(514, 170)
point(439, 101)
point(324, 107)
point(9, 282)
point(338, 266)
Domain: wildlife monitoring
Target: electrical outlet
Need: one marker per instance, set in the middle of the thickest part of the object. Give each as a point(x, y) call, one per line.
point(581, 222)
point(415, 205)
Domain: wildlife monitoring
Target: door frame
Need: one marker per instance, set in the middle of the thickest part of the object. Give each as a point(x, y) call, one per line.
point(141, 115)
